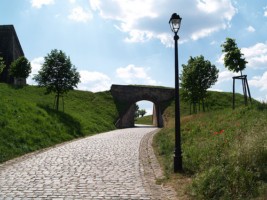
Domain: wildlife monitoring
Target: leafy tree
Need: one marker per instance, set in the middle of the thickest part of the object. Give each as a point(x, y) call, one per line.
point(20, 68)
point(142, 112)
point(57, 74)
point(198, 75)
point(136, 113)
point(2, 64)
point(233, 57)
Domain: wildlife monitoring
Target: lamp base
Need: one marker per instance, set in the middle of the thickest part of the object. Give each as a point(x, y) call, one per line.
point(177, 164)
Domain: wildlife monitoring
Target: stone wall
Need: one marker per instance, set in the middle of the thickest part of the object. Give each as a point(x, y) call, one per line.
point(129, 95)
point(10, 50)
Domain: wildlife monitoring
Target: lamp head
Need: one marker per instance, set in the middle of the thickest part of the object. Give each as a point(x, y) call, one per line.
point(175, 22)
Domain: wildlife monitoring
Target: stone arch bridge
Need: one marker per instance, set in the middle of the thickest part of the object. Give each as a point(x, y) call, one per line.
point(126, 96)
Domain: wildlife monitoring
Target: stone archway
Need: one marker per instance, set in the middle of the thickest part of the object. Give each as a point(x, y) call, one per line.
point(126, 96)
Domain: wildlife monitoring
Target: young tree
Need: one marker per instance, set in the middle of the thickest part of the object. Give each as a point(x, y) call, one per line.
point(197, 76)
point(57, 74)
point(20, 68)
point(142, 112)
point(234, 62)
point(233, 57)
point(2, 64)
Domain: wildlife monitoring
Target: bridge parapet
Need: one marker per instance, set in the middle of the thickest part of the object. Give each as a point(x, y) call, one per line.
point(127, 95)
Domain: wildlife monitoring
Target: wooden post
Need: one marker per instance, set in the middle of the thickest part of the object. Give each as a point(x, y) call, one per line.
point(233, 93)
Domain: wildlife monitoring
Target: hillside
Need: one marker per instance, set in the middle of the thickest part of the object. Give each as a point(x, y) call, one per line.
point(28, 122)
point(224, 151)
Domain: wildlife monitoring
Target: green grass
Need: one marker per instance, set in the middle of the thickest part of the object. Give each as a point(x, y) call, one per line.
point(147, 120)
point(28, 121)
point(224, 151)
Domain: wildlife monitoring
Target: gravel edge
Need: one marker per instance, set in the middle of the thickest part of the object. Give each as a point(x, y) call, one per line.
point(151, 171)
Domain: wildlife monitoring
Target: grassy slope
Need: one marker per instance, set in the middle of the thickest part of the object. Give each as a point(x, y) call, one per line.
point(147, 120)
point(224, 151)
point(28, 122)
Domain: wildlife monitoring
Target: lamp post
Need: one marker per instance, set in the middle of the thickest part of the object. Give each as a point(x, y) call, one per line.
point(175, 22)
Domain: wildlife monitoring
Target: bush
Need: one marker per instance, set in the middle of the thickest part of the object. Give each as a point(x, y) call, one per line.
point(225, 182)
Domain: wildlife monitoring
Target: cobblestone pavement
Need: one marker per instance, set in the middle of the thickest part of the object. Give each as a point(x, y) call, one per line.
point(104, 166)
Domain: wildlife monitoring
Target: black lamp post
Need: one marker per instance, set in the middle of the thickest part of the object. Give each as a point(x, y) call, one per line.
point(175, 23)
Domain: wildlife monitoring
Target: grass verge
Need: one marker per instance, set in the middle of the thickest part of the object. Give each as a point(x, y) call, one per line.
point(224, 154)
point(28, 121)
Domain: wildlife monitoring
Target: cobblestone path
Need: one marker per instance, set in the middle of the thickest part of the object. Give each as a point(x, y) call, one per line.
point(104, 166)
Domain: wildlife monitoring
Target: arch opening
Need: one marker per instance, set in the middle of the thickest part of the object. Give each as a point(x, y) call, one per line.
point(144, 113)
point(126, 98)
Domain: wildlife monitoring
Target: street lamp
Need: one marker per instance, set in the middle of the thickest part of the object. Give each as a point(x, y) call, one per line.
point(175, 23)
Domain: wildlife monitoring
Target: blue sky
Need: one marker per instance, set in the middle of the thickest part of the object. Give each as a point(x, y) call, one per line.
point(130, 41)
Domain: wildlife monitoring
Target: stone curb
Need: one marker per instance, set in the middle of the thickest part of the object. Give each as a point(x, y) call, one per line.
point(151, 171)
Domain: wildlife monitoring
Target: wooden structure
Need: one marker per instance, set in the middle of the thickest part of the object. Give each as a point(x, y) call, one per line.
point(245, 88)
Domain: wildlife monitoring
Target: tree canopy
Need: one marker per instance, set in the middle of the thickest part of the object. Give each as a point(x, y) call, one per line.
point(198, 75)
point(57, 74)
point(233, 57)
point(20, 68)
point(2, 65)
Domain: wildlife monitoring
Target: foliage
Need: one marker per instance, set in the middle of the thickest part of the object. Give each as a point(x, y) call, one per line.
point(57, 74)
point(142, 112)
point(136, 111)
point(233, 57)
point(261, 106)
point(28, 123)
point(20, 68)
point(147, 120)
point(197, 76)
point(2, 65)
point(224, 152)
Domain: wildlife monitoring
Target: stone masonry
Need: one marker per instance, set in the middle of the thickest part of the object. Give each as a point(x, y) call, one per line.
point(10, 50)
point(105, 166)
point(128, 95)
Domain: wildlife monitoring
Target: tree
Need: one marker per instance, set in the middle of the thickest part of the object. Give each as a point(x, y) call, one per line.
point(2, 65)
point(233, 57)
point(20, 68)
point(234, 62)
point(142, 112)
point(197, 76)
point(57, 74)
point(136, 112)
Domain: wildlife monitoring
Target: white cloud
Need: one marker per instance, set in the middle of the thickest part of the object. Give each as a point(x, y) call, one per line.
point(256, 55)
point(144, 20)
point(215, 90)
point(72, 1)
point(36, 65)
point(251, 29)
point(226, 76)
point(40, 3)
point(259, 81)
point(137, 75)
point(78, 14)
point(90, 81)
point(265, 11)
point(94, 81)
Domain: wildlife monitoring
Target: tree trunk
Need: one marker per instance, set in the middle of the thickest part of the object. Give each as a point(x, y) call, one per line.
point(203, 105)
point(57, 102)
